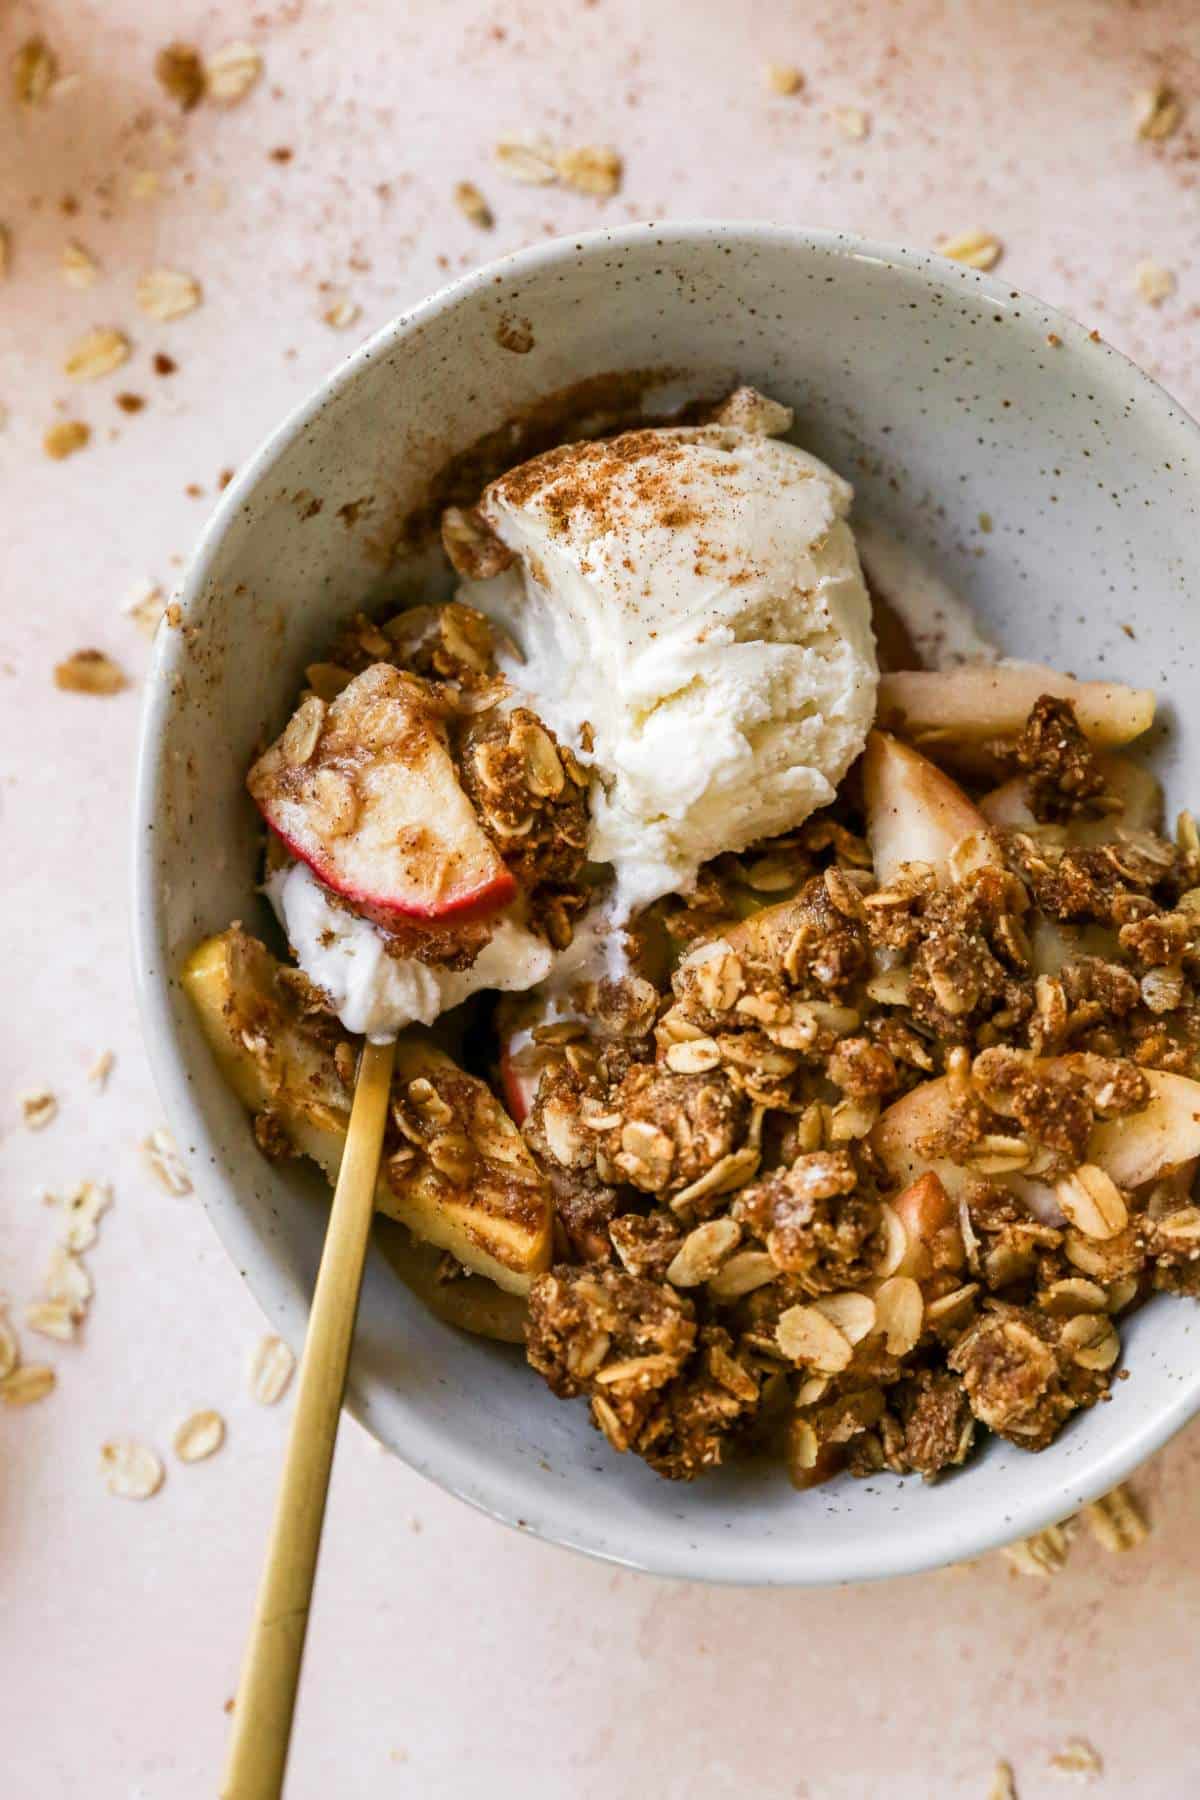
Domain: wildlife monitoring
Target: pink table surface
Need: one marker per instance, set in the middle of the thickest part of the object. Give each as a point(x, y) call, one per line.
point(448, 1656)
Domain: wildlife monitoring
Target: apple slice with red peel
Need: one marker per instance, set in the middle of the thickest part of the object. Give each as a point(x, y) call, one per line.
point(1140, 1146)
point(365, 792)
point(521, 1059)
point(915, 813)
point(520, 1071)
point(966, 708)
point(907, 1123)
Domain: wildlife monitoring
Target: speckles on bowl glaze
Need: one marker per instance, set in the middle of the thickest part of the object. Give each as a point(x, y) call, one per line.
point(515, 333)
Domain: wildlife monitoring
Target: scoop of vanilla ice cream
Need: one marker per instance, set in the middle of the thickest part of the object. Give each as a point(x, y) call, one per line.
point(377, 994)
point(689, 613)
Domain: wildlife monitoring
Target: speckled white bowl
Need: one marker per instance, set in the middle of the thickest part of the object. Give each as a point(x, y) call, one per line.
point(940, 394)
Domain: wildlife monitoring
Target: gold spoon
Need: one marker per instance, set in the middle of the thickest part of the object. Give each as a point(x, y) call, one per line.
point(266, 1699)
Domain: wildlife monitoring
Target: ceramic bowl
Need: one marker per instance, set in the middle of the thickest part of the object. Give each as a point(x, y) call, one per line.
point(954, 404)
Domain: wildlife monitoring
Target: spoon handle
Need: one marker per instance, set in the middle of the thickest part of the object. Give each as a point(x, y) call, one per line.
point(262, 1720)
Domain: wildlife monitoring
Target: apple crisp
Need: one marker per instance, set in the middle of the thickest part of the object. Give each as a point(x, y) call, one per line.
point(862, 1148)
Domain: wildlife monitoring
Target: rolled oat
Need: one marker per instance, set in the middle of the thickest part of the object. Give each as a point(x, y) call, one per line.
point(131, 1471)
point(271, 1369)
point(199, 1436)
point(27, 1384)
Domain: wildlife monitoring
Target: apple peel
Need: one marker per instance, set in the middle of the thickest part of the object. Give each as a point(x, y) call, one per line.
point(366, 793)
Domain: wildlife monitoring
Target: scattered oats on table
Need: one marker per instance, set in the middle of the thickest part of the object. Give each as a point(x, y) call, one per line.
point(1117, 1520)
point(1154, 283)
point(851, 121)
point(101, 1069)
point(271, 1369)
point(1157, 112)
point(471, 203)
point(1003, 1786)
point(591, 169)
point(167, 293)
point(27, 1385)
point(344, 312)
point(67, 1281)
point(132, 1471)
point(530, 160)
point(38, 1107)
point(79, 266)
point(783, 78)
point(977, 249)
point(10, 1351)
point(231, 72)
point(164, 1162)
point(179, 69)
point(84, 1207)
point(1078, 1757)
point(64, 438)
point(97, 353)
point(1044, 1553)
point(52, 1319)
point(199, 1436)
point(34, 68)
point(89, 672)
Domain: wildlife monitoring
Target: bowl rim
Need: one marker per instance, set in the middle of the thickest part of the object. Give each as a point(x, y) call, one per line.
point(516, 1500)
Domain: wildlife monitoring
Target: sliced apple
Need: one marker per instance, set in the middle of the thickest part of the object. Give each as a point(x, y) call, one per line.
point(762, 936)
point(521, 1058)
point(1141, 803)
point(270, 1052)
point(904, 1126)
point(520, 1072)
point(965, 708)
point(496, 1220)
point(1053, 944)
point(1133, 1149)
point(1140, 1146)
point(1007, 806)
point(471, 1303)
point(908, 1122)
point(915, 813)
point(365, 792)
point(1128, 782)
point(930, 1219)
